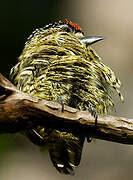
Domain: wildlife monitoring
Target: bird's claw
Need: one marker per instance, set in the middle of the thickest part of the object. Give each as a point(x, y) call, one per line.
point(60, 99)
point(94, 113)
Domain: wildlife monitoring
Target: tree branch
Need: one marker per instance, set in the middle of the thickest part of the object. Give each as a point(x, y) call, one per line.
point(20, 111)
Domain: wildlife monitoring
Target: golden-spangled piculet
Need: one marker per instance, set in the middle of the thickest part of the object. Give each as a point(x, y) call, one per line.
point(58, 64)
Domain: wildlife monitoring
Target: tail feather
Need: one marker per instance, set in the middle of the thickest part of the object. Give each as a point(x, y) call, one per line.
point(66, 155)
point(74, 150)
point(59, 158)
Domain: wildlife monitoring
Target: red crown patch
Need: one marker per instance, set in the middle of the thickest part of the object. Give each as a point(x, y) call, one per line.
point(76, 26)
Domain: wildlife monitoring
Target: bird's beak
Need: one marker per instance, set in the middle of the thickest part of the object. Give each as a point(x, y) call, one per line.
point(91, 39)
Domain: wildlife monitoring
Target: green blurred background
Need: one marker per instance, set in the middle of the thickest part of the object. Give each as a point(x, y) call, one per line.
point(19, 159)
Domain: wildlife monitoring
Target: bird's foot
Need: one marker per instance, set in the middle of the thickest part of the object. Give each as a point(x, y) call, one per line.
point(60, 99)
point(93, 112)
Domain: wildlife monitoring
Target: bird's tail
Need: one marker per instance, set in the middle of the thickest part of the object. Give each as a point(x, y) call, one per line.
point(66, 154)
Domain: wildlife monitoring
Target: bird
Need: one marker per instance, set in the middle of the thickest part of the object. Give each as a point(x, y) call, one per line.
point(59, 64)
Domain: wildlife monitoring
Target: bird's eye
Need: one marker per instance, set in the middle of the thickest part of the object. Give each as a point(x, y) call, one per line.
point(67, 29)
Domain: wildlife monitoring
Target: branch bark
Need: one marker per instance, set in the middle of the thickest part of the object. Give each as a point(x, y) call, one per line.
point(20, 111)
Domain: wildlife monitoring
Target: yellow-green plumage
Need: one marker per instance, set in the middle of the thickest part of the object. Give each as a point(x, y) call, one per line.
point(56, 64)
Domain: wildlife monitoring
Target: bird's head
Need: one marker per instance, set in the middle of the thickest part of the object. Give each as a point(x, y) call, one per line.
point(65, 26)
point(62, 38)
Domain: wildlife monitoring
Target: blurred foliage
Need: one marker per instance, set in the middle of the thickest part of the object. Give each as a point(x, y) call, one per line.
point(5, 145)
